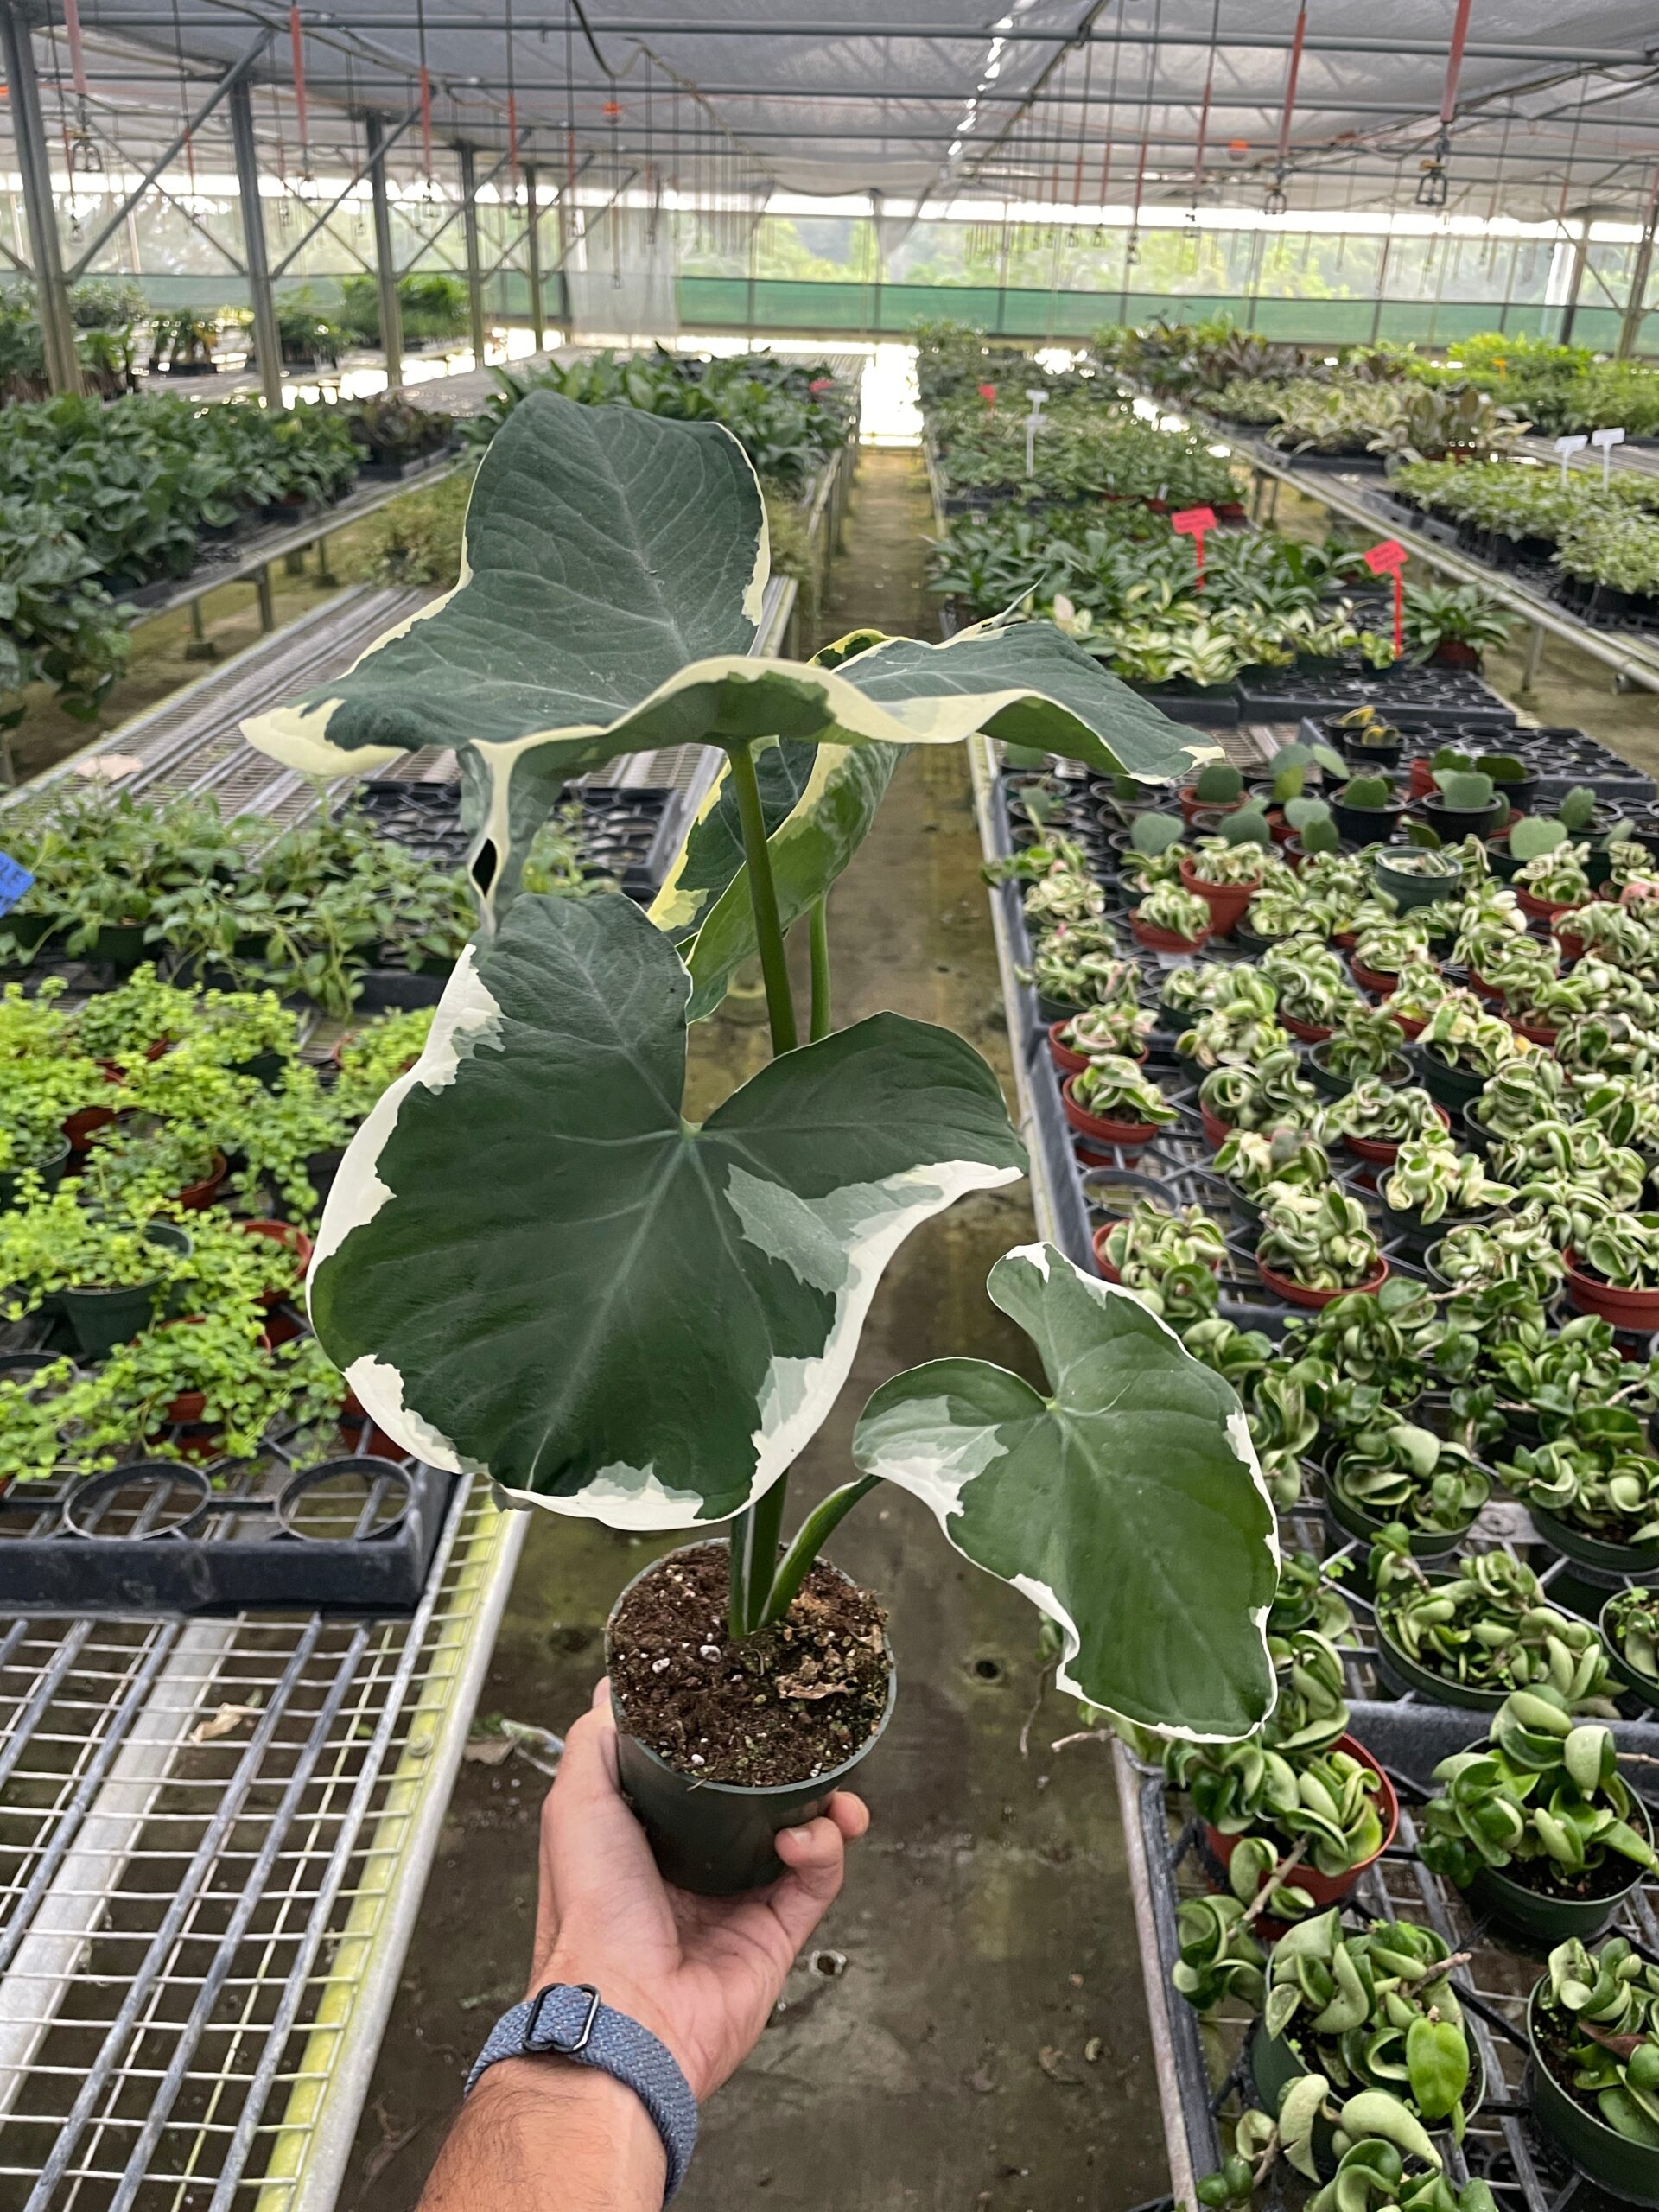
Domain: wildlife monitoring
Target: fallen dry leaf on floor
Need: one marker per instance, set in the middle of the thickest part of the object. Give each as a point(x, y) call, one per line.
point(1053, 2063)
point(228, 1717)
point(489, 1750)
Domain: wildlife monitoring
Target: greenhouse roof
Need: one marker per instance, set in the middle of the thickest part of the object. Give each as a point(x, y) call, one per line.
point(1070, 102)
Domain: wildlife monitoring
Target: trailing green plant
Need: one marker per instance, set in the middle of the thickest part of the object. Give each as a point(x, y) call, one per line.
point(1182, 913)
point(1118, 1028)
point(1488, 1626)
point(1364, 1044)
point(1273, 1094)
point(1544, 1802)
point(1477, 1256)
point(1599, 2021)
point(1311, 983)
point(1239, 1034)
point(1621, 1248)
point(1399, 1471)
point(1324, 1800)
point(1075, 965)
point(1321, 1239)
point(1120, 1090)
point(1519, 1095)
point(1631, 1621)
point(1384, 1113)
point(1460, 1033)
point(1168, 1260)
point(1432, 1178)
point(1251, 1161)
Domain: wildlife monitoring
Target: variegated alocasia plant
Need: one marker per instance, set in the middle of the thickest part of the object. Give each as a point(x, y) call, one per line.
point(533, 1266)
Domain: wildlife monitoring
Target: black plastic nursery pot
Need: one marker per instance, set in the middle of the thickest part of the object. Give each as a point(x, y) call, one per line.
point(1407, 890)
point(1352, 1520)
point(1451, 824)
point(101, 1319)
point(1630, 1678)
point(1276, 2064)
point(1402, 1672)
point(1625, 2169)
point(1366, 825)
point(1416, 1234)
point(1451, 1087)
point(50, 1171)
point(716, 1838)
point(1396, 1075)
point(1592, 1551)
point(1544, 1919)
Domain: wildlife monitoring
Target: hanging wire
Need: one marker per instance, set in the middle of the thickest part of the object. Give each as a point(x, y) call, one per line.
point(184, 98)
point(1204, 111)
point(297, 40)
point(1131, 250)
point(512, 108)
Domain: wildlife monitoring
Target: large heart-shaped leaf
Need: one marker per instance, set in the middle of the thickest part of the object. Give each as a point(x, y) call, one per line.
point(808, 850)
point(530, 1265)
point(614, 574)
point(1126, 1504)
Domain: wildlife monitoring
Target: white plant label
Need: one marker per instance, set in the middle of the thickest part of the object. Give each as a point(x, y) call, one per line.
point(1607, 440)
point(1574, 442)
point(1033, 423)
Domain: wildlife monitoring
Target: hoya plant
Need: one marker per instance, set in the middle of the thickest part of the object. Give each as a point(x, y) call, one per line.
point(1489, 1627)
point(534, 1266)
point(1599, 2014)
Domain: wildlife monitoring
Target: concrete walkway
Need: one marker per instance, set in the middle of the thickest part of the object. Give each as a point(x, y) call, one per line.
point(985, 2044)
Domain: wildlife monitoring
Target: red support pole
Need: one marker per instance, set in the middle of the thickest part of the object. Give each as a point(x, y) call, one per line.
point(1297, 42)
point(297, 38)
point(426, 120)
point(1454, 61)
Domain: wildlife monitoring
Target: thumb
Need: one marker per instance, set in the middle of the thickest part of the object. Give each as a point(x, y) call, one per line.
point(816, 1858)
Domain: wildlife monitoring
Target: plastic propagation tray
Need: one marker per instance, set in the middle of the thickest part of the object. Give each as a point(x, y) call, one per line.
point(1563, 759)
point(622, 830)
point(1433, 696)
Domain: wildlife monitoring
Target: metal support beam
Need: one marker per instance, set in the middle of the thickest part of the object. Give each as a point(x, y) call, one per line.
point(385, 267)
point(378, 150)
point(533, 256)
point(1569, 312)
point(51, 287)
point(237, 74)
point(266, 335)
point(1630, 333)
point(469, 231)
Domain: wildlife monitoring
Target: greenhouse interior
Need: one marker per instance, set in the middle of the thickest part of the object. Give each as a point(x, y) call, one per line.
point(604, 606)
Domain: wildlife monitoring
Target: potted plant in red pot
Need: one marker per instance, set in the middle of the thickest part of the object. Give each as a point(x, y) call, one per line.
point(643, 1319)
point(1114, 1103)
point(1226, 871)
point(1375, 1117)
point(1119, 1027)
point(1614, 1273)
point(1168, 1260)
point(1171, 922)
point(1272, 1095)
point(1553, 877)
point(1219, 786)
point(1316, 1244)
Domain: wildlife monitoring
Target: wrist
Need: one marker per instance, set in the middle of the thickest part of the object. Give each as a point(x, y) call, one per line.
point(623, 1996)
point(550, 2107)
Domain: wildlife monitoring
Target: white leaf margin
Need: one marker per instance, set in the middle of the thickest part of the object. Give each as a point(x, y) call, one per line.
point(797, 1394)
point(940, 1488)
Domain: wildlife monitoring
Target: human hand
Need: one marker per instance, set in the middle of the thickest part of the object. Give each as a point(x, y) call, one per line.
point(703, 1973)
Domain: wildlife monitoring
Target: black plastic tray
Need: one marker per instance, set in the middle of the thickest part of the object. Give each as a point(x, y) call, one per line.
point(171, 1536)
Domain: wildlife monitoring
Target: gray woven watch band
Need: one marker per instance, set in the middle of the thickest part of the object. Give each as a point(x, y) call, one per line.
point(570, 2020)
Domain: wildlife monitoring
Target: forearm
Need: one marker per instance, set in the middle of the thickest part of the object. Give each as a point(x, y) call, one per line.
point(543, 2135)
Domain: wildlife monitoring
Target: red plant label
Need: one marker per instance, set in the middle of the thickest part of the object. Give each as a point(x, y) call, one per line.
point(1193, 522)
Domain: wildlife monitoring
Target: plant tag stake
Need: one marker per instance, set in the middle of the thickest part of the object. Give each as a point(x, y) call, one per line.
point(1388, 559)
point(1193, 522)
point(1574, 442)
point(14, 880)
point(1032, 422)
point(1607, 440)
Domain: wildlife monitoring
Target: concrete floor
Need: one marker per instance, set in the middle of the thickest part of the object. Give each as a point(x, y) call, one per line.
point(986, 2045)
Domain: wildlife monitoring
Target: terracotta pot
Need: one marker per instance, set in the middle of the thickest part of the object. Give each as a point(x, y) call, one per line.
point(1536, 1033)
point(1157, 940)
point(1479, 984)
point(1384, 1155)
point(1125, 1136)
point(1373, 979)
point(1412, 1028)
point(187, 1410)
point(1545, 910)
point(1103, 1263)
point(1626, 1309)
point(1226, 902)
point(1067, 1061)
point(1296, 1293)
point(1191, 804)
point(79, 1126)
point(198, 1195)
point(1215, 1131)
point(1311, 1032)
point(1329, 1889)
point(1420, 780)
point(291, 1240)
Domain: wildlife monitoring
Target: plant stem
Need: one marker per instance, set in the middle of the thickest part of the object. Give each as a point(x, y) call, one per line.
point(813, 1534)
point(820, 927)
point(763, 900)
point(755, 1554)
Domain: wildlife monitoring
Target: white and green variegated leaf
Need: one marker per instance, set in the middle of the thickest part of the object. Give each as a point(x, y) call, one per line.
point(531, 1265)
point(1127, 1503)
point(712, 856)
point(808, 850)
point(614, 571)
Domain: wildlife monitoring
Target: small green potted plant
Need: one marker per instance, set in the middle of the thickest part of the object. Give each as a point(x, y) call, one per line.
point(1399, 1471)
point(1515, 1249)
point(1629, 1623)
point(1251, 1163)
point(1314, 991)
point(1172, 921)
point(1382, 950)
point(1470, 1637)
point(1367, 810)
point(1452, 625)
point(1114, 1101)
point(1364, 1045)
point(1226, 873)
point(1317, 1243)
point(1218, 788)
point(1168, 1260)
point(1552, 876)
point(1119, 1026)
point(1273, 1094)
point(1366, 735)
point(1593, 1489)
point(1461, 1047)
point(1416, 875)
point(108, 1275)
point(1593, 2024)
point(1537, 1825)
point(1431, 1187)
point(1614, 1272)
point(1375, 1117)
point(1073, 966)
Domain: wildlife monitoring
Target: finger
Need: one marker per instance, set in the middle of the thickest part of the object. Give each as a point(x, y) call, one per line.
point(850, 1814)
point(602, 1694)
point(814, 1856)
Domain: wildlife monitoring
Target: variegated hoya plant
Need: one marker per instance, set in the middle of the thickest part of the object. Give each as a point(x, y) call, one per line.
point(534, 1266)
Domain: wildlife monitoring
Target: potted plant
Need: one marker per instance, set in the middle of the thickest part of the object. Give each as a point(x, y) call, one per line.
point(1470, 1637)
point(1629, 1628)
point(1366, 810)
point(557, 1054)
point(1117, 1027)
point(1366, 734)
point(108, 1275)
point(1316, 1244)
point(1554, 874)
point(1169, 1261)
point(1516, 1097)
point(1114, 1101)
point(1537, 1826)
point(1273, 1094)
point(1593, 2024)
point(1615, 1272)
point(1314, 992)
point(1225, 873)
point(1383, 950)
point(1416, 875)
point(1170, 922)
point(1593, 1488)
point(1464, 803)
point(1460, 1046)
point(1397, 1471)
point(1073, 966)
point(1365, 1046)
point(1217, 785)
point(1375, 1117)
point(1251, 1163)
point(1433, 1186)
point(1452, 625)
